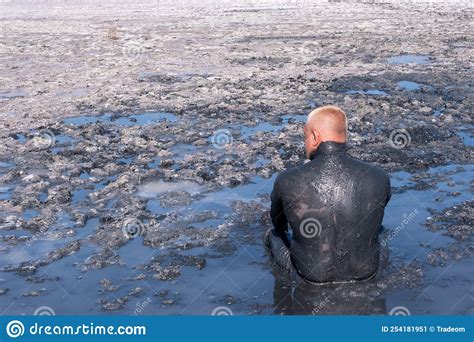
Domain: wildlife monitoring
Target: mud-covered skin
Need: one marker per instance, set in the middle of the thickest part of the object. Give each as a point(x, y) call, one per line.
point(335, 206)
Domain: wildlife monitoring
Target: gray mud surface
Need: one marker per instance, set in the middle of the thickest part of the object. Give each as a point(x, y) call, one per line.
point(139, 145)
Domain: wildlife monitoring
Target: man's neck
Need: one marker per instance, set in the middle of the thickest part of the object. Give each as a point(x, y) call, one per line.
point(328, 147)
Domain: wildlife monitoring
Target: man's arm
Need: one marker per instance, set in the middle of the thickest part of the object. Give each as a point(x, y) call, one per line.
point(389, 190)
point(384, 202)
point(277, 213)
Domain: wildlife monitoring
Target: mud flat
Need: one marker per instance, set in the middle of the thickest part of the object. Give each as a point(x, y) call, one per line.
point(139, 145)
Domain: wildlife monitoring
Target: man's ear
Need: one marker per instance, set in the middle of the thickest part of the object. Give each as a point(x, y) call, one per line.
point(315, 136)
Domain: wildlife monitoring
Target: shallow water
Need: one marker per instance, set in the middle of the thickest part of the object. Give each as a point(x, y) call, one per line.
point(467, 138)
point(219, 201)
point(367, 92)
point(131, 120)
point(409, 59)
point(9, 94)
point(265, 127)
point(239, 276)
point(243, 279)
point(410, 86)
point(154, 189)
point(286, 119)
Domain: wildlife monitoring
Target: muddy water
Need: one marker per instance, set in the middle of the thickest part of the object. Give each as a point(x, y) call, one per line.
point(132, 120)
point(232, 270)
point(409, 59)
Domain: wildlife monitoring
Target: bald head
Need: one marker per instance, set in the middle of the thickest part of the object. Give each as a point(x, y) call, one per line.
point(328, 123)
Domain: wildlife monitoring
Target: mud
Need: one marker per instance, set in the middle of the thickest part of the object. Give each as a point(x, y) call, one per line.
point(138, 151)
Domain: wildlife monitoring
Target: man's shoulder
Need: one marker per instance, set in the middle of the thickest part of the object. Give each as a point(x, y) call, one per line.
point(289, 175)
point(371, 170)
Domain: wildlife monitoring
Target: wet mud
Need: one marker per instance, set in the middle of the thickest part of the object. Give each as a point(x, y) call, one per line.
point(141, 185)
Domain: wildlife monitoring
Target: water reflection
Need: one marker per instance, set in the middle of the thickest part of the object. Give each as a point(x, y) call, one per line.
point(300, 298)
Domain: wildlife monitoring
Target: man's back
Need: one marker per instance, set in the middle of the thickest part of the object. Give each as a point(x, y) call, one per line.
point(335, 206)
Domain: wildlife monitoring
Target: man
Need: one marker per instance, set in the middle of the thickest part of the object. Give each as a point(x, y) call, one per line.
point(334, 205)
